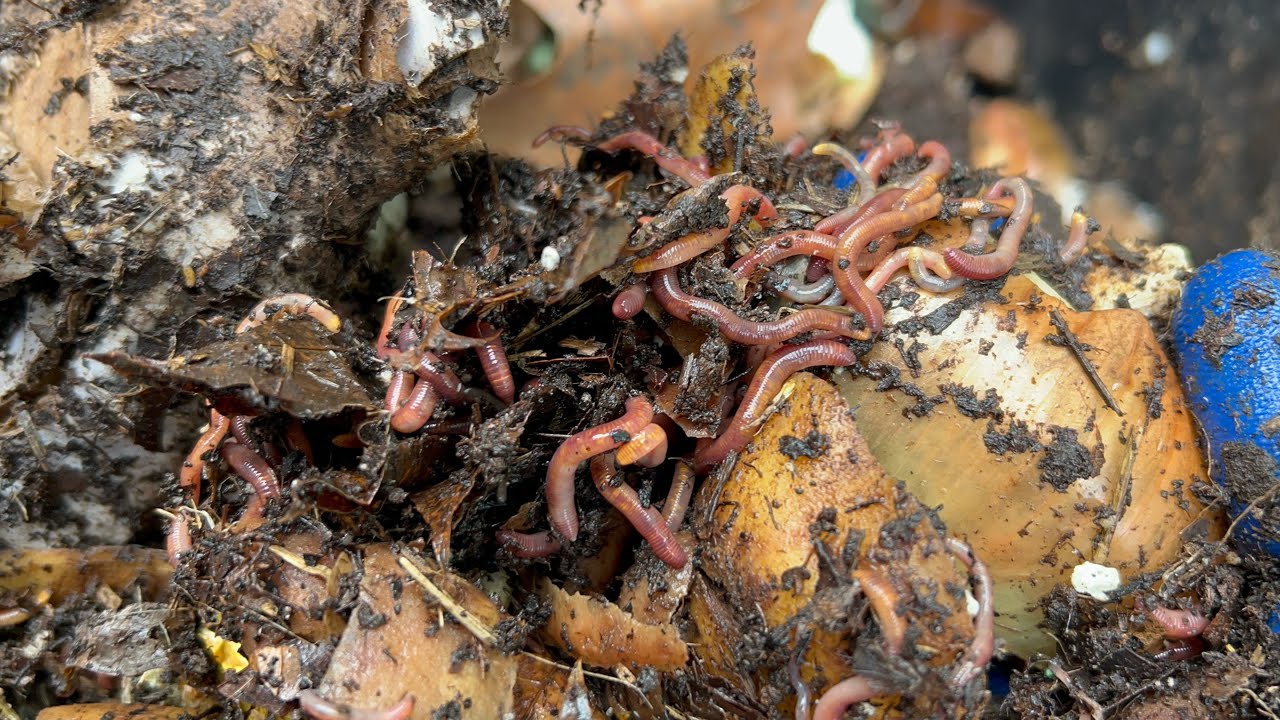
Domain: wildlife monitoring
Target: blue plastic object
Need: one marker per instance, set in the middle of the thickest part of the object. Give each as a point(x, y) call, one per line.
point(844, 179)
point(1227, 337)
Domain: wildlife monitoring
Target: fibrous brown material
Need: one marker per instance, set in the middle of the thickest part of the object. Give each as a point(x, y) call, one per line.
point(169, 162)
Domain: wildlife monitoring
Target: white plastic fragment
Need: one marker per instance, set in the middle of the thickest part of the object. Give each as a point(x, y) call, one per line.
point(550, 259)
point(1095, 580)
point(1157, 48)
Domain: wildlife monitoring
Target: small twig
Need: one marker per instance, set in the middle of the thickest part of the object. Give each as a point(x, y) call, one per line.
point(1117, 704)
point(145, 220)
point(323, 572)
point(556, 361)
point(38, 6)
point(1248, 510)
point(459, 613)
point(588, 673)
point(1069, 339)
point(1262, 704)
point(528, 335)
point(1095, 710)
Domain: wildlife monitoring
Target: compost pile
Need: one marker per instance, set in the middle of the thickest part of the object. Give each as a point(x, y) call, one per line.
point(601, 455)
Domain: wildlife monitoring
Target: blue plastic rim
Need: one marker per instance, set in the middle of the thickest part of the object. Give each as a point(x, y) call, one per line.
point(1227, 337)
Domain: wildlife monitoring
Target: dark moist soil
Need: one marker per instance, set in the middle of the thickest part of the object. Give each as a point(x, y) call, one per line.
point(578, 365)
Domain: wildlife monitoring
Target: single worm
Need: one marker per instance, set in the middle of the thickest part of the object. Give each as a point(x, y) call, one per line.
point(927, 268)
point(866, 184)
point(321, 709)
point(939, 165)
point(416, 410)
point(493, 361)
point(678, 496)
point(808, 293)
point(382, 344)
point(851, 244)
point(979, 235)
point(804, 696)
point(1181, 650)
point(647, 521)
point(783, 246)
point(250, 466)
point(647, 448)
point(818, 268)
point(178, 539)
point(1077, 239)
point(893, 146)
point(997, 263)
point(191, 474)
point(398, 389)
point(295, 303)
point(562, 133)
point(850, 691)
point(1179, 624)
point(665, 157)
point(930, 271)
point(561, 508)
point(241, 432)
point(14, 616)
point(528, 545)
point(687, 247)
point(441, 377)
point(681, 305)
point(978, 207)
point(839, 221)
point(978, 655)
point(401, 383)
point(630, 301)
point(764, 386)
point(884, 602)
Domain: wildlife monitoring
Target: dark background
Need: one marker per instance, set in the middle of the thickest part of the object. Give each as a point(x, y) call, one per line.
point(1198, 137)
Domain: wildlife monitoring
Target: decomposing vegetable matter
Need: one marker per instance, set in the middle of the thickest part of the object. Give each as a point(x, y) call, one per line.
point(670, 345)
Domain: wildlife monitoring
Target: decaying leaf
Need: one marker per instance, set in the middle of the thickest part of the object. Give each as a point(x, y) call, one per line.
point(293, 365)
point(400, 641)
point(1063, 478)
point(602, 634)
point(809, 479)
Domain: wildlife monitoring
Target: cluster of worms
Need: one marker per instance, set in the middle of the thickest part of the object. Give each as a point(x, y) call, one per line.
point(852, 254)
point(253, 459)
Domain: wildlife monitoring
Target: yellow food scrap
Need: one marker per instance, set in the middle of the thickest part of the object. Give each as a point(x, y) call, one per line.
point(223, 651)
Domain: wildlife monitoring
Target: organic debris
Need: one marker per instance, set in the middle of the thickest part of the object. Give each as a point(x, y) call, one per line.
point(536, 489)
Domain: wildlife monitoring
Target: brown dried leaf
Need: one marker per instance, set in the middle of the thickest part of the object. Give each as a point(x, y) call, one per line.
point(1038, 474)
point(248, 373)
point(600, 633)
point(402, 646)
point(438, 505)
